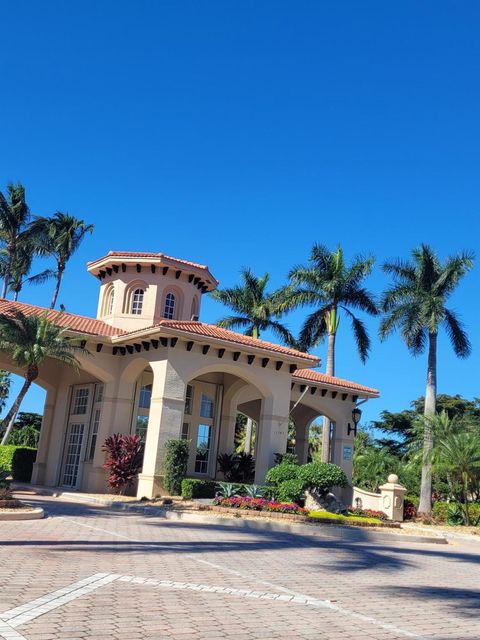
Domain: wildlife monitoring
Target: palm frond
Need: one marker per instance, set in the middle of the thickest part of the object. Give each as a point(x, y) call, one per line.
point(457, 334)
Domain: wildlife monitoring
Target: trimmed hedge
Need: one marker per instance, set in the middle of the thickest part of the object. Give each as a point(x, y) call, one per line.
point(18, 461)
point(192, 488)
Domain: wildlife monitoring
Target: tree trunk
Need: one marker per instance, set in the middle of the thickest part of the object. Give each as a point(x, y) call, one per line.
point(425, 505)
point(330, 371)
point(60, 269)
point(247, 447)
point(6, 279)
point(255, 332)
point(9, 419)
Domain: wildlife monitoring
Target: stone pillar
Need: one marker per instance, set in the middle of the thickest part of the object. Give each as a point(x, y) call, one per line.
point(272, 433)
point(164, 422)
point(226, 441)
point(301, 441)
point(39, 466)
point(392, 498)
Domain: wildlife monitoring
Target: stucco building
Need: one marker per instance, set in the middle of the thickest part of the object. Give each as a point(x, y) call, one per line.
point(156, 370)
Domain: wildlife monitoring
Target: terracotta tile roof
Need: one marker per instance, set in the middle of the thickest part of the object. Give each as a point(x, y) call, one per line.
point(81, 324)
point(212, 331)
point(147, 254)
point(317, 376)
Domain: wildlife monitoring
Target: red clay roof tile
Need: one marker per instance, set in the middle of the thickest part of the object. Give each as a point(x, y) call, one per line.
point(317, 376)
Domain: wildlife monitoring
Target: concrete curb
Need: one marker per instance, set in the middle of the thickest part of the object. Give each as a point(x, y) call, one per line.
point(34, 514)
point(317, 530)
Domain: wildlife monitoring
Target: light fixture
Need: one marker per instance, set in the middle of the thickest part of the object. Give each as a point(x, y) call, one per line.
point(356, 415)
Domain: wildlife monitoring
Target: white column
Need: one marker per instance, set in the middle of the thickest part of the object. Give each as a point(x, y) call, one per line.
point(272, 433)
point(164, 422)
point(342, 455)
point(301, 440)
point(39, 466)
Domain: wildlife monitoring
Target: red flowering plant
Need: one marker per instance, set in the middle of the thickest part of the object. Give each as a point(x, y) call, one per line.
point(368, 513)
point(124, 460)
point(259, 504)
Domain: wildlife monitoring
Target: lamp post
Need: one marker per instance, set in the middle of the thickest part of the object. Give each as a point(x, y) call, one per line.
point(356, 415)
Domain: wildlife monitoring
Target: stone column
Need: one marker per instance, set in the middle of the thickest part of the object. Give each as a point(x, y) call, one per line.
point(301, 440)
point(39, 466)
point(272, 433)
point(392, 498)
point(226, 441)
point(342, 455)
point(164, 422)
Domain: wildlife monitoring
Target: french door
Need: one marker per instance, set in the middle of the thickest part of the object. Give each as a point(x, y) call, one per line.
point(76, 436)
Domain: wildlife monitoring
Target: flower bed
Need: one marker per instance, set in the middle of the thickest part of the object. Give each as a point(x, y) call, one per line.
point(368, 513)
point(259, 504)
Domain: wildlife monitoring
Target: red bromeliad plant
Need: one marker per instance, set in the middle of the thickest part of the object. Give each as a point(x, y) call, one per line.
point(124, 460)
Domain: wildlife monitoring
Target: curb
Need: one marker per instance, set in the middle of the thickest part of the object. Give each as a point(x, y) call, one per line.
point(316, 530)
point(34, 514)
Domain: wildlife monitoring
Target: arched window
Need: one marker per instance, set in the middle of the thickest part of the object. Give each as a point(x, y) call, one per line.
point(137, 302)
point(194, 309)
point(169, 310)
point(110, 301)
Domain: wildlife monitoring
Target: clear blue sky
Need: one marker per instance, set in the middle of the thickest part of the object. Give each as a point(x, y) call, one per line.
point(238, 133)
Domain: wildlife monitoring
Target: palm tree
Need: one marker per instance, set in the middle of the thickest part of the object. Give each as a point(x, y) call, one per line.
point(415, 306)
point(333, 287)
point(60, 236)
point(14, 217)
point(255, 309)
point(21, 264)
point(30, 340)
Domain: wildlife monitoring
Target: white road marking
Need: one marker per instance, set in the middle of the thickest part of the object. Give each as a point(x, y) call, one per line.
point(8, 632)
point(296, 597)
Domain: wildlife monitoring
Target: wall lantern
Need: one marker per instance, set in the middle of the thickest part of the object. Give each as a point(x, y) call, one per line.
point(356, 415)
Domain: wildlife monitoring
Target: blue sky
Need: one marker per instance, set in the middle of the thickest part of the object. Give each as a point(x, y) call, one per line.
point(240, 133)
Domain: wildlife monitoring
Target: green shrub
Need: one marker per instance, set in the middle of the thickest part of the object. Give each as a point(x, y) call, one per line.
point(282, 472)
point(175, 466)
point(290, 491)
point(27, 436)
point(322, 476)
point(18, 460)
point(288, 458)
point(193, 488)
point(448, 511)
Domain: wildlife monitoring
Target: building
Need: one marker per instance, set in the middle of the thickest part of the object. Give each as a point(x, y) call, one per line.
point(156, 370)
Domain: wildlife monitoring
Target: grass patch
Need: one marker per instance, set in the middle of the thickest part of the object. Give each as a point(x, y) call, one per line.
point(336, 517)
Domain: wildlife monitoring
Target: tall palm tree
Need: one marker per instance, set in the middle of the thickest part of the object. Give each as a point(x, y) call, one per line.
point(14, 218)
point(333, 288)
point(21, 265)
point(30, 340)
point(255, 309)
point(60, 236)
point(415, 306)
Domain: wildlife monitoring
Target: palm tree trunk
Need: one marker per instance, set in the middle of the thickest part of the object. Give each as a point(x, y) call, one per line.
point(9, 419)
point(60, 269)
point(330, 371)
point(6, 279)
point(255, 331)
point(425, 505)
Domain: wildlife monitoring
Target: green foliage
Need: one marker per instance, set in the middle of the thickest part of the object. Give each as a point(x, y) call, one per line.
point(18, 461)
point(372, 467)
point(443, 511)
point(175, 464)
point(455, 514)
point(4, 479)
point(254, 490)
point(321, 476)
point(286, 458)
point(28, 419)
point(236, 467)
point(341, 519)
point(281, 473)
point(193, 488)
point(25, 437)
point(291, 491)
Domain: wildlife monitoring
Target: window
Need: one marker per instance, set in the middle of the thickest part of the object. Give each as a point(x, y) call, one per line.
point(93, 441)
point(169, 310)
point(206, 407)
point(99, 393)
point(110, 303)
point(185, 430)
point(203, 448)
point(80, 401)
point(145, 396)
point(194, 308)
point(189, 400)
point(137, 302)
point(141, 427)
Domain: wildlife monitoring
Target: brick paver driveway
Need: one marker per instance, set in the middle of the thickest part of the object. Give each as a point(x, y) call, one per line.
point(87, 572)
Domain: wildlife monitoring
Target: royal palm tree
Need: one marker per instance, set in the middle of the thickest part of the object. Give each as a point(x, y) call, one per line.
point(415, 306)
point(14, 218)
point(60, 236)
point(21, 265)
point(255, 310)
point(30, 340)
point(333, 288)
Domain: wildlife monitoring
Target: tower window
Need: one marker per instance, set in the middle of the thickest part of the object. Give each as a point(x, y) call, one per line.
point(169, 310)
point(137, 302)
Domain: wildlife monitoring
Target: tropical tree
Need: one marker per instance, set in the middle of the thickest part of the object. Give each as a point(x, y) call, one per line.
point(30, 340)
point(415, 305)
point(19, 268)
point(14, 218)
point(255, 309)
point(59, 236)
point(333, 288)
point(5, 382)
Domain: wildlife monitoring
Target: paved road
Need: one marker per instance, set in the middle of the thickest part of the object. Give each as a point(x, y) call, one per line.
point(87, 572)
